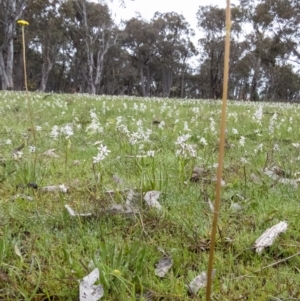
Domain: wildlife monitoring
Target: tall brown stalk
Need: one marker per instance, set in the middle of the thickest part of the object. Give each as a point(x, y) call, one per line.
point(221, 155)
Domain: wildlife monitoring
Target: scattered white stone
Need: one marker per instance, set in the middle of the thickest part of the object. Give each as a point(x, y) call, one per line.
point(87, 290)
point(73, 213)
point(51, 153)
point(199, 282)
point(163, 266)
point(23, 197)
point(151, 198)
point(236, 206)
point(56, 188)
point(268, 237)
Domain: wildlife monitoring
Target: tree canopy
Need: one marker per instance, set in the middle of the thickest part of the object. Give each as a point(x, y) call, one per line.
point(76, 43)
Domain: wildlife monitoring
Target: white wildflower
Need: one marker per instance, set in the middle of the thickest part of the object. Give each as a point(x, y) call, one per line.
point(31, 148)
point(54, 132)
point(259, 148)
point(150, 153)
point(203, 141)
point(257, 116)
point(244, 160)
point(242, 141)
point(63, 188)
point(186, 126)
point(67, 130)
point(161, 125)
point(17, 155)
point(235, 131)
point(181, 139)
point(102, 153)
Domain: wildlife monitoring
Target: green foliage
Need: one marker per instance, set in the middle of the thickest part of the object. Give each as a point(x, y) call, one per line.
point(44, 251)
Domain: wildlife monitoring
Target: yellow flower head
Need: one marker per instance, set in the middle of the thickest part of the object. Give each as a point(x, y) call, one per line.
point(23, 22)
point(117, 272)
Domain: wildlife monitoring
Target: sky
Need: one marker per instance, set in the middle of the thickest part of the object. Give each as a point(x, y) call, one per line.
point(147, 8)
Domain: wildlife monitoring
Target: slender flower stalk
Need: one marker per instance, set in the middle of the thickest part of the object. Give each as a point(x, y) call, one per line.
point(221, 155)
point(24, 23)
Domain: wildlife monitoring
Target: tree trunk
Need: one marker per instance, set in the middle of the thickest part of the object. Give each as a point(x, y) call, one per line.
point(19, 73)
point(10, 58)
point(167, 81)
point(90, 61)
point(6, 68)
point(148, 81)
point(182, 84)
point(253, 90)
point(142, 79)
point(3, 74)
point(46, 69)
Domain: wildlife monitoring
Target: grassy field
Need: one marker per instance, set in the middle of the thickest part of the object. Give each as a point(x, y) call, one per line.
point(94, 153)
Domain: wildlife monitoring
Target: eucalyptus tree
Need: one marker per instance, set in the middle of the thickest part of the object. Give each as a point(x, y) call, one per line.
point(92, 32)
point(10, 12)
point(280, 19)
point(274, 44)
point(174, 47)
point(211, 21)
point(140, 41)
point(46, 35)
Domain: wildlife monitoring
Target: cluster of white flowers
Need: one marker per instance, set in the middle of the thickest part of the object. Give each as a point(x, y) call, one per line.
point(163, 108)
point(139, 123)
point(32, 148)
point(139, 136)
point(186, 126)
point(143, 107)
point(17, 155)
point(181, 139)
point(102, 152)
point(235, 131)
point(94, 126)
point(67, 130)
point(185, 150)
point(54, 132)
point(242, 141)
point(272, 123)
point(212, 126)
point(257, 132)
point(196, 110)
point(259, 148)
point(244, 161)
point(161, 125)
point(150, 153)
point(258, 115)
point(119, 120)
point(233, 115)
point(203, 141)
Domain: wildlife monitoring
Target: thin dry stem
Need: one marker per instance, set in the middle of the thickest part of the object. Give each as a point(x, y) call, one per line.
point(221, 155)
point(24, 59)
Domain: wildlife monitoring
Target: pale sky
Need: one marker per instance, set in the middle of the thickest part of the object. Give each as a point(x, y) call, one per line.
point(147, 8)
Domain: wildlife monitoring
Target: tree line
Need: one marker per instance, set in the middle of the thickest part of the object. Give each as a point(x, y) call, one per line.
point(75, 45)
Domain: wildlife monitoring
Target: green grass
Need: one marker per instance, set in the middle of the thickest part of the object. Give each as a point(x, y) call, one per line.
point(57, 250)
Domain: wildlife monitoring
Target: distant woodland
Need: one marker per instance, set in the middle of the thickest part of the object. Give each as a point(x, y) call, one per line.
point(75, 45)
